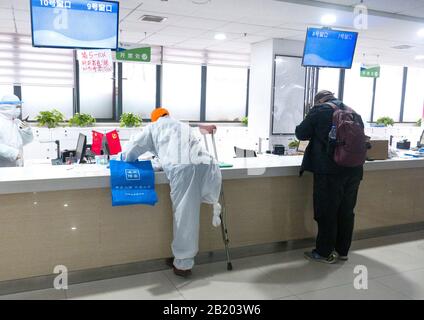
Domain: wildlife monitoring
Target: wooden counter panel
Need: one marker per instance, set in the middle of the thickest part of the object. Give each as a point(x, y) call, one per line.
point(80, 229)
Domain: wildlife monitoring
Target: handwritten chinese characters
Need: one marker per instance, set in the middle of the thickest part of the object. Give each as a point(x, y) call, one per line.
point(95, 61)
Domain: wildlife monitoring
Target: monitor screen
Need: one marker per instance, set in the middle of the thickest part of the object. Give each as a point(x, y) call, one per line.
point(81, 148)
point(329, 48)
point(83, 24)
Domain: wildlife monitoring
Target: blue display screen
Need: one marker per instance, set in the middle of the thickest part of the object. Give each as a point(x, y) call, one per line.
point(329, 48)
point(75, 24)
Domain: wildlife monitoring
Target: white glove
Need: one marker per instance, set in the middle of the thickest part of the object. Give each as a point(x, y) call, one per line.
point(216, 220)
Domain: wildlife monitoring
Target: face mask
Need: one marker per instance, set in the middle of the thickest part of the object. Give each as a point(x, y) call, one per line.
point(10, 112)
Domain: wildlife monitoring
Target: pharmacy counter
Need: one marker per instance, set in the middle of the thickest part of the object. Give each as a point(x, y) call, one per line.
point(62, 215)
point(39, 177)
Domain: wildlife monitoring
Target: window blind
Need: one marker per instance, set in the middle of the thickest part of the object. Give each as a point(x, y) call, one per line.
point(21, 64)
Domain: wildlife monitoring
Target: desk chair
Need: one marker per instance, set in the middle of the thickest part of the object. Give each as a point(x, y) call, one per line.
point(244, 153)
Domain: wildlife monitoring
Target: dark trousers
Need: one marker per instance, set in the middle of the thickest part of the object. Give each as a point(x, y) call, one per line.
point(334, 201)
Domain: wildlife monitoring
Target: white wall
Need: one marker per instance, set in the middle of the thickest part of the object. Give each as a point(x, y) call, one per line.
point(260, 90)
point(261, 86)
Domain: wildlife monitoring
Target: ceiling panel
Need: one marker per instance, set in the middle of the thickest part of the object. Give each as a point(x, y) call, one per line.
point(416, 12)
point(158, 39)
point(174, 7)
point(197, 43)
point(414, 8)
point(190, 25)
point(141, 26)
point(178, 31)
point(6, 14)
point(241, 28)
point(210, 35)
point(137, 14)
point(199, 23)
point(130, 4)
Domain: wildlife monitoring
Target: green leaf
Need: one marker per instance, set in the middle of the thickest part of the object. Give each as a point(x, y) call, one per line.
point(50, 119)
point(387, 121)
point(82, 120)
point(130, 120)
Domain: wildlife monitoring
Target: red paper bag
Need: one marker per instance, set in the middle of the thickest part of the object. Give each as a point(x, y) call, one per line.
point(96, 146)
point(114, 142)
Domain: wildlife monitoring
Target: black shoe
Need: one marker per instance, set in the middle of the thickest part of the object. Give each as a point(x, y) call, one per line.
point(314, 256)
point(340, 257)
point(182, 273)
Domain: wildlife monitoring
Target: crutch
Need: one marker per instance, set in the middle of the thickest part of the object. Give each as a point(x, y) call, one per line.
point(210, 130)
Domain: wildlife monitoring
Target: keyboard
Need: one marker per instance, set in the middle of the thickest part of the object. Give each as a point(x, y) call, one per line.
point(57, 162)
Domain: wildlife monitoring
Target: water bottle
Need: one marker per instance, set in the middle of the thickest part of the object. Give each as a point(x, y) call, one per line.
point(333, 134)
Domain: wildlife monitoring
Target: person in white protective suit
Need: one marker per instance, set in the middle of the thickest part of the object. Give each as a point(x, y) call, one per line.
point(194, 176)
point(14, 133)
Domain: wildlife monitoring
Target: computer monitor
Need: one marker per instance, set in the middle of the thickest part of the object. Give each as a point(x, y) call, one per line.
point(81, 147)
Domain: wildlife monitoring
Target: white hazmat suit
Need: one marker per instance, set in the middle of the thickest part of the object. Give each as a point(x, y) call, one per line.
point(194, 177)
point(14, 133)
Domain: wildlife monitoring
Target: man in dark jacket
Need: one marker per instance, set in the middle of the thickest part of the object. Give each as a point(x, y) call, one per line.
point(335, 188)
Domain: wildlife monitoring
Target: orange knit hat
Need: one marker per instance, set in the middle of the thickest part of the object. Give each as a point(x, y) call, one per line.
point(157, 113)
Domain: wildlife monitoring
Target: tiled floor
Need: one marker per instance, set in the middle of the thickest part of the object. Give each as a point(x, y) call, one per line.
point(395, 267)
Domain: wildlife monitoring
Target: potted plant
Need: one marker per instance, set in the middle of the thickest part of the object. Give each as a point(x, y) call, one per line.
point(419, 122)
point(386, 121)
point(130, 120)
point(50, 119)
point(294, 144)
point(245, 121)
point(82, 120)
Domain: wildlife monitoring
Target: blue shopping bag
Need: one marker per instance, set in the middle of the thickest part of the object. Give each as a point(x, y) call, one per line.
point(132, 183)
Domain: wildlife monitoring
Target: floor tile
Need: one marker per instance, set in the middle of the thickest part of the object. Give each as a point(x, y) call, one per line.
point(409, 283)
point(147, 286)
point(375, 291)
point(290, 298)
point(300, 275)
point(48, 294)
point(214, 282)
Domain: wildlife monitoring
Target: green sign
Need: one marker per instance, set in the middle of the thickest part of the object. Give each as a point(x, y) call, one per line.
point(137, 55)
point(370, 71)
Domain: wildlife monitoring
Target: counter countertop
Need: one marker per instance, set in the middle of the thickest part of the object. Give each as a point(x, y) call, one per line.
point(45, 177)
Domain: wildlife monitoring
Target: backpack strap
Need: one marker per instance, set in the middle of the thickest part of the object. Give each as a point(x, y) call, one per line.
point(342, 106)
point(333, 105)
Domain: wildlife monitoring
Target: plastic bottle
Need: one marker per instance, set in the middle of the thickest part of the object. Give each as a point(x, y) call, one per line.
point(333, 133)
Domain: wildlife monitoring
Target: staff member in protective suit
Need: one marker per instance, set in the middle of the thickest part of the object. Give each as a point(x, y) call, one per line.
point(14, 133)
point(194, 177)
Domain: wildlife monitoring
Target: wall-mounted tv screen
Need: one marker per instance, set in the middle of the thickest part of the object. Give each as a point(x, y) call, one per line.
point(80, 24)
point(329, 48)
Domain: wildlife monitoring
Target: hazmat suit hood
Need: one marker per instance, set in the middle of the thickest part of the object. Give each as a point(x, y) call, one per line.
point(10, 107)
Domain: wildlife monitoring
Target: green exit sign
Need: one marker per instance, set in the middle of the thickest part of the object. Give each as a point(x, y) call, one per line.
point(135, 55)
point(370, 71)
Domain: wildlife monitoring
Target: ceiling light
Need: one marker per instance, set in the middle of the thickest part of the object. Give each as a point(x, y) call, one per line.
point(328, 19)
point(220, 36)
point(420, 33)
point(420, 57)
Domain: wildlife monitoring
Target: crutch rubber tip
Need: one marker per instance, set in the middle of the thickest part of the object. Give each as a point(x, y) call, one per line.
point(229, 266)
